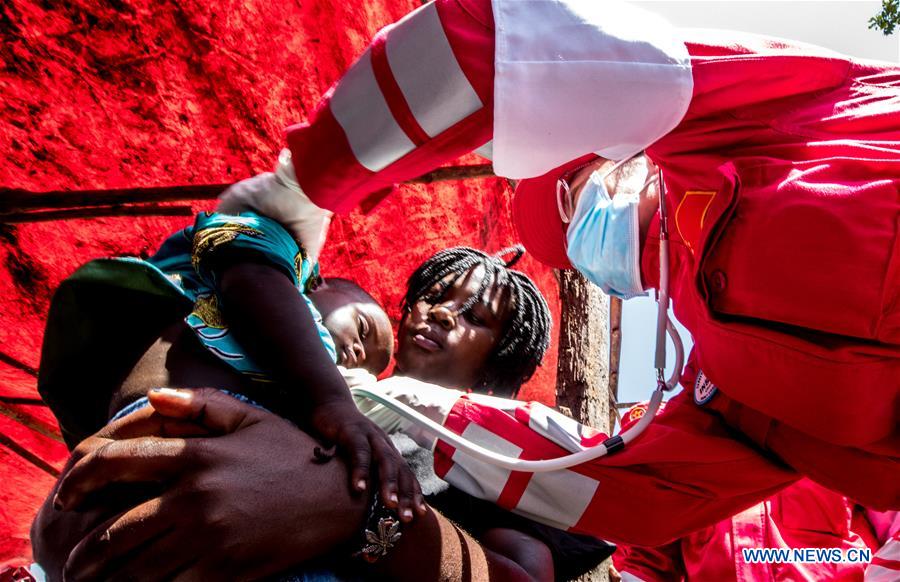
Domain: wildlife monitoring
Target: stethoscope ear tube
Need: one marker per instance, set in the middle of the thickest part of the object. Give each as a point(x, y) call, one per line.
point(663, 323)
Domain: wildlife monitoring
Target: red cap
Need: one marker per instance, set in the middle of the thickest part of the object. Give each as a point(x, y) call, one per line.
point(536, 215)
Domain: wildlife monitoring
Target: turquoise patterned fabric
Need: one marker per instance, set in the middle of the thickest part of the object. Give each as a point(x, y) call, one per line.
point(187, 258)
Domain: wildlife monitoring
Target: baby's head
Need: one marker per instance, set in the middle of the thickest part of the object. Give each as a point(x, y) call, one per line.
point(358, 325)
point(471, 322)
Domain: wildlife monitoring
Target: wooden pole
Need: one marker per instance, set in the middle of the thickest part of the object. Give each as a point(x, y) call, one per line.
point(587, 370)
point(17, 205)
point(582, 374)
point(95, 212)
point(615, 354)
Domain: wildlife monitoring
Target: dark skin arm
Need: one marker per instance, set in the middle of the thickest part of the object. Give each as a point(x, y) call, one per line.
point(216, 517)
point(531, 554)
point(258, 300)
point(437, 549)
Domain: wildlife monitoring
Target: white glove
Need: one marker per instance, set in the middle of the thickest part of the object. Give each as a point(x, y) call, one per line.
point(278, 196)
point(356, 377)
point(431, 400)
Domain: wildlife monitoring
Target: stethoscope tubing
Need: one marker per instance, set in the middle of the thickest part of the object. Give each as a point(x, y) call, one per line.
point(664, 326)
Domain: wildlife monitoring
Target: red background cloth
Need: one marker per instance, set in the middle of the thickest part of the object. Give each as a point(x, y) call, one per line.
point(138, 93)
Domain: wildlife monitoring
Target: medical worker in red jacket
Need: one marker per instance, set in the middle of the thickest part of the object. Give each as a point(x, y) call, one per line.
point(780, 172)
point(803, 515)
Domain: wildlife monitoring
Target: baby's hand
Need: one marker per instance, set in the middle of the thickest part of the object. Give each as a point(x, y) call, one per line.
point(341, 423)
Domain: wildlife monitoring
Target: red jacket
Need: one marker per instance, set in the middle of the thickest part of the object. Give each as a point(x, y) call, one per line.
point(783, 190)
point(803, 515)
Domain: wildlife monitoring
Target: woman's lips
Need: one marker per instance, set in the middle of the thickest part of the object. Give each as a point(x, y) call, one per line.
point(426, 343)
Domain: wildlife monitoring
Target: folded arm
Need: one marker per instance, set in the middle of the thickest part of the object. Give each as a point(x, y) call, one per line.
point(211, 519)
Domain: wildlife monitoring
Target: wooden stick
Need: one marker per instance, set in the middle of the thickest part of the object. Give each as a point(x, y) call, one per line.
point(615, 354)
point(28, 456)
point(582, 370)
point(29, 421)
point(95, 212)
point(448, 173)
point(18, 201)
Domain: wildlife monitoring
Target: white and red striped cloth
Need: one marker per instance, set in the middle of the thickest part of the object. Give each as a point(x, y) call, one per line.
point(525, 430)
point(885, 565)
point(684, 472)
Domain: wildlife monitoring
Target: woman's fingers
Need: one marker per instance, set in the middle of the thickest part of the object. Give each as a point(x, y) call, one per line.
point(140, 460)
point(147, 422)
point(164, 559)
point(111, 545)
point(388, 462)
point(409, 494)
point(207, 407)
point(399, 487)
point(360, 459)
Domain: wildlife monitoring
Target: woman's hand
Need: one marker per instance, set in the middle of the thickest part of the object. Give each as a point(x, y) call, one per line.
point(54, 533)
point(247, 504)
point(341, 423)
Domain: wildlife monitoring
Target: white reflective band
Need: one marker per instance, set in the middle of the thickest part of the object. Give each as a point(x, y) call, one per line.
point(888, 569)
point(890, 550)
point(555, 426)
point(476, 477)
point(878, 573)
point(542, 500)
point(425, 68)
point(361, 110)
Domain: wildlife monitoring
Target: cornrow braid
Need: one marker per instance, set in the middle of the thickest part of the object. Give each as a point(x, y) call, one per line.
point(526, 335)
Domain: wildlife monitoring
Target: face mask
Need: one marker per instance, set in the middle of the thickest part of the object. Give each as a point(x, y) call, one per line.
point(603, 239)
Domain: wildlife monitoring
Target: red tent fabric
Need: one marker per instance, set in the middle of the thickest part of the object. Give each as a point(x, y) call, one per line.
point(139, 93)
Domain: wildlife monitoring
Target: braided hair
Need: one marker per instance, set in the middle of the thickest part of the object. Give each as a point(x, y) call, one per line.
point(526, 334)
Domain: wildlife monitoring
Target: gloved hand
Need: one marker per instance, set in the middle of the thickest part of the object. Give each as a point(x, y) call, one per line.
point(278, 196)
point(356, 377)
point(428, 399)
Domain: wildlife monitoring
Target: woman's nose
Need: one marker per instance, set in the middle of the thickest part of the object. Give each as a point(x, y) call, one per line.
point(443, 316)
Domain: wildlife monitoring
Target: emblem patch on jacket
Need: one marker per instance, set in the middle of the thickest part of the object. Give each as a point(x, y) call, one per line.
point(704, 390)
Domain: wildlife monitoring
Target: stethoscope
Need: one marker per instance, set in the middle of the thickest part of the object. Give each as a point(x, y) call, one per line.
point(609, 446)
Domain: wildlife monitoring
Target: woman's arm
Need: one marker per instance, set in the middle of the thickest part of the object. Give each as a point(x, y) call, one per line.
point(247, 504)
point(54, 533)
point(531, 554)
point(437, 549)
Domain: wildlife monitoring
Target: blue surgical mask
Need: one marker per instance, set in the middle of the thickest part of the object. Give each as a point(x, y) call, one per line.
point(603, 241)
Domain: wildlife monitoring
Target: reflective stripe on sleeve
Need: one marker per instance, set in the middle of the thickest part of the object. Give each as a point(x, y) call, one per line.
point(359, 106)
point(428, 73)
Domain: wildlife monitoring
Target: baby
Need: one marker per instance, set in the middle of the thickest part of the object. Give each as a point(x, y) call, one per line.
point(231, 301)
